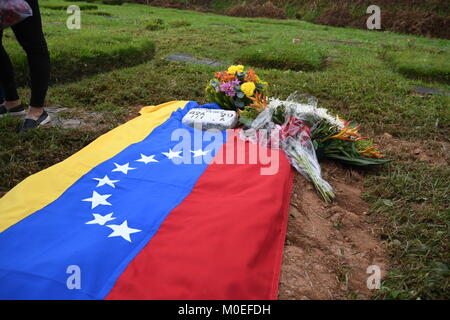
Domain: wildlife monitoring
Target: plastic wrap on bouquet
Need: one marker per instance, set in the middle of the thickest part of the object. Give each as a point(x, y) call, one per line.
point(303, 158)
point(13, 12)
point(293, 137)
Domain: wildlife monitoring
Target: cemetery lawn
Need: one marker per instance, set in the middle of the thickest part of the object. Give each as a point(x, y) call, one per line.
point(114, 65)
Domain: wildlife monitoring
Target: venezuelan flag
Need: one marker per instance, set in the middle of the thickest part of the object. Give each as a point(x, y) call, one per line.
point(130, 223)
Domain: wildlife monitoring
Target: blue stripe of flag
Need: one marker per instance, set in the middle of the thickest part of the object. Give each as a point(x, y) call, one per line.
point(129, 209)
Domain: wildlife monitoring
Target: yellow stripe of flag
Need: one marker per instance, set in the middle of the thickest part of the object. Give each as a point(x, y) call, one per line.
point(42, 188)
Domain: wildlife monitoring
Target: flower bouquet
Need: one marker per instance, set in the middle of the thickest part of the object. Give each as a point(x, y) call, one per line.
point(296, 125)
point(235, 88)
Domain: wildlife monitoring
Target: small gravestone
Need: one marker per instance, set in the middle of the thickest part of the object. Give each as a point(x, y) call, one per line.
point(58, 121)
point(229, 26)
point(348, 43)
point(331, 59)
point(211, 119)
point(71, 123)
point(53, 111)
point(429, 91)
point(119, 18)
point(188, 58)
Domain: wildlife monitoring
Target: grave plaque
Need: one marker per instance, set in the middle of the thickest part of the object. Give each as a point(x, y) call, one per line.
point(211, 119)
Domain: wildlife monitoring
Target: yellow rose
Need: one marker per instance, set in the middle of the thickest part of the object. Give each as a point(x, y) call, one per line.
point(235, 69)
point(248, 88)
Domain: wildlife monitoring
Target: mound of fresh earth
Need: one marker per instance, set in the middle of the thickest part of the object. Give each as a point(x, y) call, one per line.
point(329, 247)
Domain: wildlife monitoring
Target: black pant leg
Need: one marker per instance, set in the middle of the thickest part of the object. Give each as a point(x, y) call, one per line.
point(7, 82)
point(30, 35)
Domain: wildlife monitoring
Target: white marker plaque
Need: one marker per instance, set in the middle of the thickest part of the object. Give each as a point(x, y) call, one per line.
point(211, 118)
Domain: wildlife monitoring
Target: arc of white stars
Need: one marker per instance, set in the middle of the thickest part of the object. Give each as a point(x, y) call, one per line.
point(98, 199)
point(200, 152)
point(172, 154)
point(106, 181)
point(101, 220)
point(122, 230)
point(147, 159)
point(123, 168)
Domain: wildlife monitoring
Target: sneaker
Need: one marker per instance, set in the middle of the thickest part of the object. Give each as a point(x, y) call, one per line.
point(16, 111)
point(31, 124)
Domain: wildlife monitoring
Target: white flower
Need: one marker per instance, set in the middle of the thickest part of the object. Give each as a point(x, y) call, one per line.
point(307, 111)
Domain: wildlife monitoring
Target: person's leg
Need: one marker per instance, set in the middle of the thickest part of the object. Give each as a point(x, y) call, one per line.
point(7, 82)
point(30, 35)
point(2, 97)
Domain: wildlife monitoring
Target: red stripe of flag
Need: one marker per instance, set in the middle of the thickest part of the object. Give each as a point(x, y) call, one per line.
point(224, 241)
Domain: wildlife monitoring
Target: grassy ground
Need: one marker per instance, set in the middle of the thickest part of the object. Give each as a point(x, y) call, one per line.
point(102, 44)
point(106, 67)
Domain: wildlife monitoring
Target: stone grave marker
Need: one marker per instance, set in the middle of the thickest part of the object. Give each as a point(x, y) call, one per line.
point(429, 91)
point(348, 43)
point(188, 58)
point(211, 119)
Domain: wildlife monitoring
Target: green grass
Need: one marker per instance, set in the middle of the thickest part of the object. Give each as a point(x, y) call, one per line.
point(180, 24)
point(101, 45)
point(100, 13)
point(283, 56)
point(409, 198)
point(20, 155)
point(415, 224)
point(421, 64)
point(82, 6)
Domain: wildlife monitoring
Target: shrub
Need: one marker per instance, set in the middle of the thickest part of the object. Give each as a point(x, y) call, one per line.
point(425, 23)
point(155, 24)
point(338, 16)
point(267, 10)
point(286, 56)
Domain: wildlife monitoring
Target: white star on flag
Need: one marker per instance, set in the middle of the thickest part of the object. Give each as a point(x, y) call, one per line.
point(106, 180)
point(200, 153)
point(98, 199)
point(122, 230)
point(147, 159)
point(123, 168)
point(101, 220)
point(172, 154)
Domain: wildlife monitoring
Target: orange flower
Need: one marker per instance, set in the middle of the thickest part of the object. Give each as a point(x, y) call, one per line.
point(224, 76)
point(349, 134)
point(259, 101)
point(251, 76)
point(371, 152)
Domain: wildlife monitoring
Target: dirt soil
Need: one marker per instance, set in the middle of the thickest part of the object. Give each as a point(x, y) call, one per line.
point(329, 247)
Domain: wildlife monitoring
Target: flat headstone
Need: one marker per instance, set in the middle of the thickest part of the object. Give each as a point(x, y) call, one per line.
point(54, 110)
point(331, 58)
point(71, 123)
point(429, 91)
point(349, 43)
point(60, 122)
point(117, 18)
point(230, 26)
point(205, 119)
point(188, 58)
